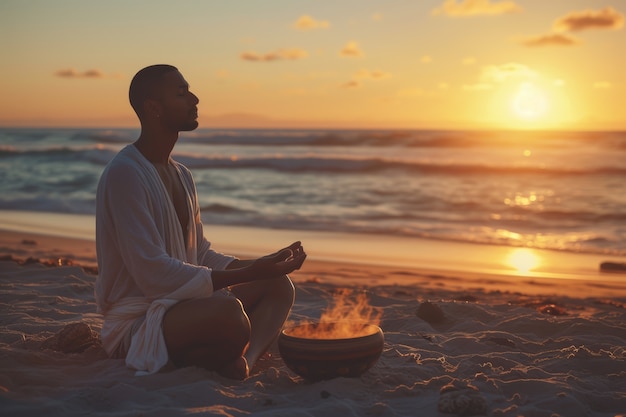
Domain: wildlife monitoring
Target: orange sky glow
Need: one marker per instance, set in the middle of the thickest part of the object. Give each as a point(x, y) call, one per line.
point(440, 64)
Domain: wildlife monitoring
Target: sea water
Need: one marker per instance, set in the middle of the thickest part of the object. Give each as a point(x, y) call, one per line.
point(555, 190)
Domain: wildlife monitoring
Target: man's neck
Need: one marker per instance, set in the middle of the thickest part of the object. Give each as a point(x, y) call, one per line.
point(156, 147)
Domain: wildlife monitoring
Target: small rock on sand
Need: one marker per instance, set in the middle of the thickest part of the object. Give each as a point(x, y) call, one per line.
point(462, 401)
point(73, 338)
point(430, 312)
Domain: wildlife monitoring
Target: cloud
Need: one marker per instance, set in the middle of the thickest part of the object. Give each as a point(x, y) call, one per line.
point(72, 73)
point(493, 75)
point(306, 22)
point(607, 18)
point(282, 54)
point(559, 39)
point(502, 73)
point(351, 50)
point(351, 84)
point(372, 75)
point(475, 8)
point(293, 53)
point(365, 74)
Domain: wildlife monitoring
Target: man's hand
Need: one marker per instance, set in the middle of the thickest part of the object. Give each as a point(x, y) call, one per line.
point(279, 263)
point(275, 265)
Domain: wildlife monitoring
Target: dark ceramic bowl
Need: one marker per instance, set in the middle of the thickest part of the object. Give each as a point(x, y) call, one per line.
point(317, 359)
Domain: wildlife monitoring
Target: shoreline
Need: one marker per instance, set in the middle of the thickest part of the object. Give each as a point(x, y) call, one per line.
point(336, 259)
point(376, 249)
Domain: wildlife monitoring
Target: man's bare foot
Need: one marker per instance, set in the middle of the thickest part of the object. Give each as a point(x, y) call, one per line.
point(236, 370)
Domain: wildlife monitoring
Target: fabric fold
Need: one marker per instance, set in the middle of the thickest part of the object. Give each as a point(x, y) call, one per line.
point(148, 351)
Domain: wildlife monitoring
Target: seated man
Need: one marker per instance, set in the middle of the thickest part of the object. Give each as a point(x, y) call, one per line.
point(164, 293)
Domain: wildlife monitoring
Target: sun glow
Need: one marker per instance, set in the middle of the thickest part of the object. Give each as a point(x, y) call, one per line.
point(530, 103)
point(523, 260)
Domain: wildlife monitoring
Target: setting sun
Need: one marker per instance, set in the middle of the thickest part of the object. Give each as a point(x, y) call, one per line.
point(530, 103)
point(523, 260)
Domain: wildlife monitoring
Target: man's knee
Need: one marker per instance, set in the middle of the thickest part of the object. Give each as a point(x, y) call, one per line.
point(283, 288)
point(235, 320)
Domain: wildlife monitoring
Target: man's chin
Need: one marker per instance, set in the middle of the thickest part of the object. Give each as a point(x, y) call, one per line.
point(189, 127)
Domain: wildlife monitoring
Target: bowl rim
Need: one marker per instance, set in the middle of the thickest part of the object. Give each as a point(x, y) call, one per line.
point(376, 330)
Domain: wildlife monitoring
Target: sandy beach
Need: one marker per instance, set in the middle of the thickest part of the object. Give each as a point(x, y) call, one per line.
point(457, 168)
point(509, 345)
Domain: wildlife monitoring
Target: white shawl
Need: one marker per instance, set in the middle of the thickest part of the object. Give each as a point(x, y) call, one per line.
point(145, 265)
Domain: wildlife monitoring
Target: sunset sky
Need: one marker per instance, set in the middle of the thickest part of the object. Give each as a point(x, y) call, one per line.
point(288, 63)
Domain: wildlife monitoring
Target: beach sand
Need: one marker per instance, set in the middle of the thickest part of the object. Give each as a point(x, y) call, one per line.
point(540, 344)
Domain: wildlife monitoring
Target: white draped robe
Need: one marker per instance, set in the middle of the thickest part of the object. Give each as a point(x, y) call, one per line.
point(145, 264)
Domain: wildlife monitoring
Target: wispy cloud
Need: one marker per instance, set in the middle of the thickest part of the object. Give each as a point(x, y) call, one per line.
point(372, 75)
point(560, 39)
point(365, 74)
point(607, 18)
point(493, 75)
point(307, 22)
point(505, 72)
point(72, 73)
point(351, 84)
point(282, 54)
point(466, 8)
point(351, 50)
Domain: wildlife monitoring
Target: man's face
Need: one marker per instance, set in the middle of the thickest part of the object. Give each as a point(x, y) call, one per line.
point(177, 105)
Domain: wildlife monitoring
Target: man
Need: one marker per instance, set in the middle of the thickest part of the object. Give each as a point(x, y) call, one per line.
point(166, 296)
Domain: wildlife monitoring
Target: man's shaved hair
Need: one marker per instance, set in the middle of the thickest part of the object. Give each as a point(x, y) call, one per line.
point(144, 84)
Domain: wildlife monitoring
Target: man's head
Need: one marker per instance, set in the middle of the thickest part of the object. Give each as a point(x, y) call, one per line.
point(159, 93)
point(145, 84)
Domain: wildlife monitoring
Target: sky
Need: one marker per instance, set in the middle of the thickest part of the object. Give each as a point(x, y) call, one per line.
point(424, 64)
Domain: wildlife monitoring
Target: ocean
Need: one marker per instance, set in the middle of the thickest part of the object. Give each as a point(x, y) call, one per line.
point(563, 191)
